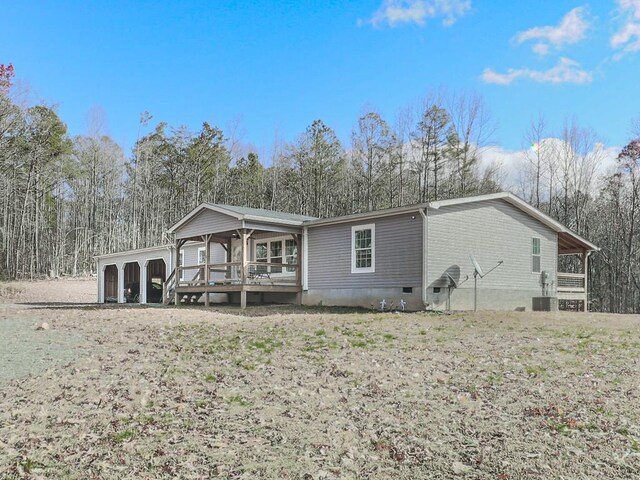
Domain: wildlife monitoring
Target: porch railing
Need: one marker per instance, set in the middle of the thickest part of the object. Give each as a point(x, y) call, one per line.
point(230, 273)
point(571, 282)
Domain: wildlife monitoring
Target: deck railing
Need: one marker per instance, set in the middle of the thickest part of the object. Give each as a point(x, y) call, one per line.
point(571, 282)
point(230, 273)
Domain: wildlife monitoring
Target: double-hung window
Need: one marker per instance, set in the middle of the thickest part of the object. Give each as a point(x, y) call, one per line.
point(275, 255)
point(363, 248)
point(290, 254)
point(535, 255)
point(262, 256)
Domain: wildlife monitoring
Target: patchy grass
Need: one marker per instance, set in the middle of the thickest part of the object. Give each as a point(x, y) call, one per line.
point(290, 392)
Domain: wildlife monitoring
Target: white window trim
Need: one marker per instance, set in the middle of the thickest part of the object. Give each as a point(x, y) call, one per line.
point(284, 256)
point(539, 255)
point(357, 228)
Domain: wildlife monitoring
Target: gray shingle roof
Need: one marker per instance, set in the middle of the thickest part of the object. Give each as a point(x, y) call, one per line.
point(261, 212)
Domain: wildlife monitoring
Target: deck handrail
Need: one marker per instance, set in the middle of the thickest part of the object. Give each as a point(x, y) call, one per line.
point(571, 282)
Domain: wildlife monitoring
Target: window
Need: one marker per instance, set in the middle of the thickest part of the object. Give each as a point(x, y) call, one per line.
point(202, 255)
point(363, 249)
point(262, 256)
point(275, 255)
point(535, 252)
point(181, 264)
point(290, 254)
point(277, 250)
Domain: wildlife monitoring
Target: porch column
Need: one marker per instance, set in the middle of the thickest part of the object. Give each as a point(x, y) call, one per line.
point(243, 269)
point(207, 249)
point(585, 270)
point(120, 282)
point(176, 282)
point(304, 264)
point(143, 281)
point(298, 240)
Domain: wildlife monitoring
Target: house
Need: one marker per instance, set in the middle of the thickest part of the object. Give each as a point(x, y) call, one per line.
point(418, 256)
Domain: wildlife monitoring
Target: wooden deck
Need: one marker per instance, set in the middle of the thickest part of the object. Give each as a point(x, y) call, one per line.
point(232, 277)
point(572, 287)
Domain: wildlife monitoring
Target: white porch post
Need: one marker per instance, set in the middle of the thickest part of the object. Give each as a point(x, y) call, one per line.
point(304, 265)
point(143, 281)
point(299, 262)
point(120, 282)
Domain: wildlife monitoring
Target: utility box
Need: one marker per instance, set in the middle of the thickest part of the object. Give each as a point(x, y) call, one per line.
point(545, 304)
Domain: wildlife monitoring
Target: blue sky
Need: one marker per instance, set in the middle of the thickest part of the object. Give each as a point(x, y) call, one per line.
point(277, 66)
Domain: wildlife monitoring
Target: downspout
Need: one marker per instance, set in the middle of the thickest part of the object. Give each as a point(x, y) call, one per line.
point(425, 243)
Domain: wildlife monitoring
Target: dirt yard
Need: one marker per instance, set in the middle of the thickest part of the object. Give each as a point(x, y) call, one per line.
point(317, 394)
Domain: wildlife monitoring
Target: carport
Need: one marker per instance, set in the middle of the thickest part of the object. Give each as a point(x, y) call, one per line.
point(116, 271)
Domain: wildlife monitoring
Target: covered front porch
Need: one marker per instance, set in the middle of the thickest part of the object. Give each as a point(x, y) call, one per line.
point(262, 255)
point(572, 285)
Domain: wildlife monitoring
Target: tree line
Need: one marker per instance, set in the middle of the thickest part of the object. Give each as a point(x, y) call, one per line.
point(65, 199)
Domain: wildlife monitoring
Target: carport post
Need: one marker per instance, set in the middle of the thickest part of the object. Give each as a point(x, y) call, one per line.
point(101, 283)
point(120, 268)
point(143, 282)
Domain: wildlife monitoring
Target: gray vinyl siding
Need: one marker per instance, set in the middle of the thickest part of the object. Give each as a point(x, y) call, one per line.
point(398, 254)
point(207, 221)
point(491, 231)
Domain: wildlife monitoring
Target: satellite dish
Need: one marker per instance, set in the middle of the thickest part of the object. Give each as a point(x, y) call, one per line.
point(452, 281)
point(476, 265)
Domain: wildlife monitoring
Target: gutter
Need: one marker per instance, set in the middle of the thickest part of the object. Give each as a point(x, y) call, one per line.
point(364, 216)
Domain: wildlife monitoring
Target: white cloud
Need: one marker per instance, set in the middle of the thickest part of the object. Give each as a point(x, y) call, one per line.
point(541, 49)
point(513, 162)
point(627, 38)
point(565, 71)
point(571, 29)
point(397, 12)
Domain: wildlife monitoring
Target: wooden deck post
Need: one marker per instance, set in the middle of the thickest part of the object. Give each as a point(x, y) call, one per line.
point(176, 296)
point(585, 270)
point(243, 270)
point(207, 244)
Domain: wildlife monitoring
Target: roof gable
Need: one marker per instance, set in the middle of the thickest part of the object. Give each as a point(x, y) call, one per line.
point(244, 213)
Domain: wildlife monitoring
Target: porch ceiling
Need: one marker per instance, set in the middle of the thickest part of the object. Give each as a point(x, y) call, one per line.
point(225, 237)
point(571, 244)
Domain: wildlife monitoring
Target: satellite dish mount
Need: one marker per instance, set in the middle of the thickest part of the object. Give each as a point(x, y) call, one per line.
point(478, 272)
